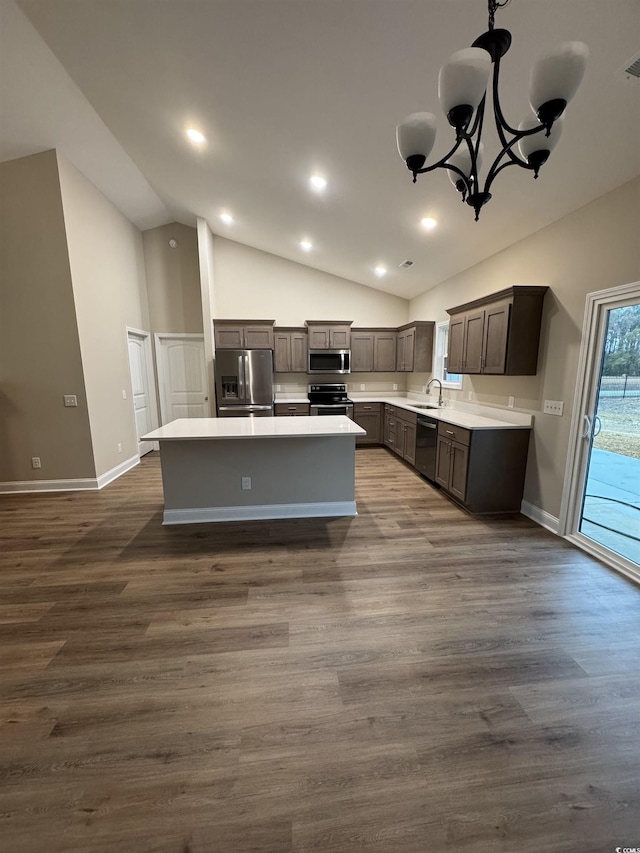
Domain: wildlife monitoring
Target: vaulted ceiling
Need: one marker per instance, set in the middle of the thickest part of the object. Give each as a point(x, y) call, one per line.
point(283, 89)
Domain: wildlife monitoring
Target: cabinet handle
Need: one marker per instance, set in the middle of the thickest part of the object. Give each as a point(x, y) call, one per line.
point(292, 409)
point(366, 408)
point(449, 432)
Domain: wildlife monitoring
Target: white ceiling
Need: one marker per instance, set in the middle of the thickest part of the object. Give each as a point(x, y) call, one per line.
point(286, 88)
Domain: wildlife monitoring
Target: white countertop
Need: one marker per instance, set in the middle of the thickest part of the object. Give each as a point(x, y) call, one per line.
point(225, 428)
point(463, 415)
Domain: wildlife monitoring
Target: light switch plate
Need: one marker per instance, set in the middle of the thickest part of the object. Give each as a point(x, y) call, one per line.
point(70, 400)
point(246, 482)
point(553, 407)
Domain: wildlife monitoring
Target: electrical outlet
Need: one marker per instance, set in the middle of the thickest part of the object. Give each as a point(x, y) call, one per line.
point(362, 386)
point(246, 483)
point(469, 395)
point(35, 462)
point(553, 407)
point(124, 394)
point(277, 387)
point(70, 400)
point(511, 402)
point(395, 387)
point(119, 447)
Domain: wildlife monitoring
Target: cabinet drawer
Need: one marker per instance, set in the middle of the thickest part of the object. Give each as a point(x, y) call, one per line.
point(407, 417)
point(365, 408)
point(290, 409)
point(455, 433)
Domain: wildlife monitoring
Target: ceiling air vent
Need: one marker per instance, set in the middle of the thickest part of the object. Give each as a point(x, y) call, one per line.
point(632, 68)
point(406, 265)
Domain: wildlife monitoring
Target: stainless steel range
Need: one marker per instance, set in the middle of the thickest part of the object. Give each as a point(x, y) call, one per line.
point(330, 399)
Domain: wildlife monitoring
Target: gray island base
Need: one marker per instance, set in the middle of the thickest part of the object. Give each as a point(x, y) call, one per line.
point(238, 469)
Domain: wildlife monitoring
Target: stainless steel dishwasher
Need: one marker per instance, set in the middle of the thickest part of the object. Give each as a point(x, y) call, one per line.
point(426, 446)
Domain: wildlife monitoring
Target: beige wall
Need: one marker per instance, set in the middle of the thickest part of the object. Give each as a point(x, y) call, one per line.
point(596, 247)
point(173, 279)
point(40, 357)
point(107, 270)
point(251, 283)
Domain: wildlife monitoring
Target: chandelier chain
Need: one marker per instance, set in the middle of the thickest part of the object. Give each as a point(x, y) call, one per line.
point(494, 5)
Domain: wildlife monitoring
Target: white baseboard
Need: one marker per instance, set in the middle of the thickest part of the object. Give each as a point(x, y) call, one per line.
point(18, 487)
point(109, 476)
point(259, 513)
point(21, 487)
point(544, 519)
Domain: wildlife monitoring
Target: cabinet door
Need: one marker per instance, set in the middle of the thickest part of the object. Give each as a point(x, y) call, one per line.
point(319, 337)
point(384, 352)
point(400, 351)
point(299, 352)
point(371, 422)
point(282, 352)
point(409, 347)
point(410, 443)
point(455, 350)
point(473, 340)
point(362, 352)
point(443, 461)
point(340, 337)
point(258, 337)
point(229, 337)
point(458, 470)
point(400, 433)
point(496, 331)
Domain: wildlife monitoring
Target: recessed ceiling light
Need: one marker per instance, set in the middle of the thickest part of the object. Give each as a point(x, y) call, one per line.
point(306, 245)
point(380, 271)
point(428, 222)
point(318, 183)
point(227, 218)
point(195, 136)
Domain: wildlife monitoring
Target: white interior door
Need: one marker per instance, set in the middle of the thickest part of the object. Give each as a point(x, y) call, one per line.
point(142, 386)
point(182, 377)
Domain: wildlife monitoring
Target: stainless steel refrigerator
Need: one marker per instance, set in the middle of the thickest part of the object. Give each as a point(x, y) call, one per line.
point(244, 383)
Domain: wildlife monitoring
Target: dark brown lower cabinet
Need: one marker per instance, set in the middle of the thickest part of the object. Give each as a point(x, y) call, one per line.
point(291, 410)
point(483, 469)
point(400, 432)
point(369, 417)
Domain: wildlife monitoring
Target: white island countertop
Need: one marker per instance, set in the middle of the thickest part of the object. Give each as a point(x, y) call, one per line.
point(197, 429)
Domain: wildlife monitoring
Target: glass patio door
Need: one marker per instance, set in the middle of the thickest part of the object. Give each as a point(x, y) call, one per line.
point(605, 486)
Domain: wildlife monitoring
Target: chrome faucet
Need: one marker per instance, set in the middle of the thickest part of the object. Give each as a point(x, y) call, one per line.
point(428, 386)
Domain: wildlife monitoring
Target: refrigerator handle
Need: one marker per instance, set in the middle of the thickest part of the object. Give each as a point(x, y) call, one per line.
point(242, 380)
point(247, 378)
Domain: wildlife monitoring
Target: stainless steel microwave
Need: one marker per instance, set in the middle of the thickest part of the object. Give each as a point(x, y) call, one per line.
point(329, 361)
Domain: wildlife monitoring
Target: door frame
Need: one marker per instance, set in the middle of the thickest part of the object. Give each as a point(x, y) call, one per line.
point(159, 337)
point(589, 364)
point(151, 381)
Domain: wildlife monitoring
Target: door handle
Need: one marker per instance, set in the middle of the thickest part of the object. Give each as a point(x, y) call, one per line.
point(598, 426)
point(587, 427)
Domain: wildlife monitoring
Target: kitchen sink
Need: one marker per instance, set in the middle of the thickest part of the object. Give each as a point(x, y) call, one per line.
point(422, 406)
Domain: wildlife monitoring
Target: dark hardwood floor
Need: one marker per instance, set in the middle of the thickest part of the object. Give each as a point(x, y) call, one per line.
point(409, 681)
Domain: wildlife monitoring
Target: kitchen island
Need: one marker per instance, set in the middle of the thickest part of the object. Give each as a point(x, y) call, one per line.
point(237, 469)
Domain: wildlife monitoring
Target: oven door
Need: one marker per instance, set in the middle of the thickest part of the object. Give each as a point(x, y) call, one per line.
point(331, 409)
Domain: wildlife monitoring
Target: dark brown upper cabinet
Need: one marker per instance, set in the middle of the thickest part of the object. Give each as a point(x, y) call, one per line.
point(498, 334)
point(243, 334)
point(329, 334)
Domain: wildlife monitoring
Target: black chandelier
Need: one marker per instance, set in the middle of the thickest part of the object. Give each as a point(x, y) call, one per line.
point(462, 86)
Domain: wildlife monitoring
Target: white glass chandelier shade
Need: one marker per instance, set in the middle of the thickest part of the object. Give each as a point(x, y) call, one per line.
point(538, 141)
point(462, 159)
point(416, 135)
point(463, 78)
point(557, 74)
